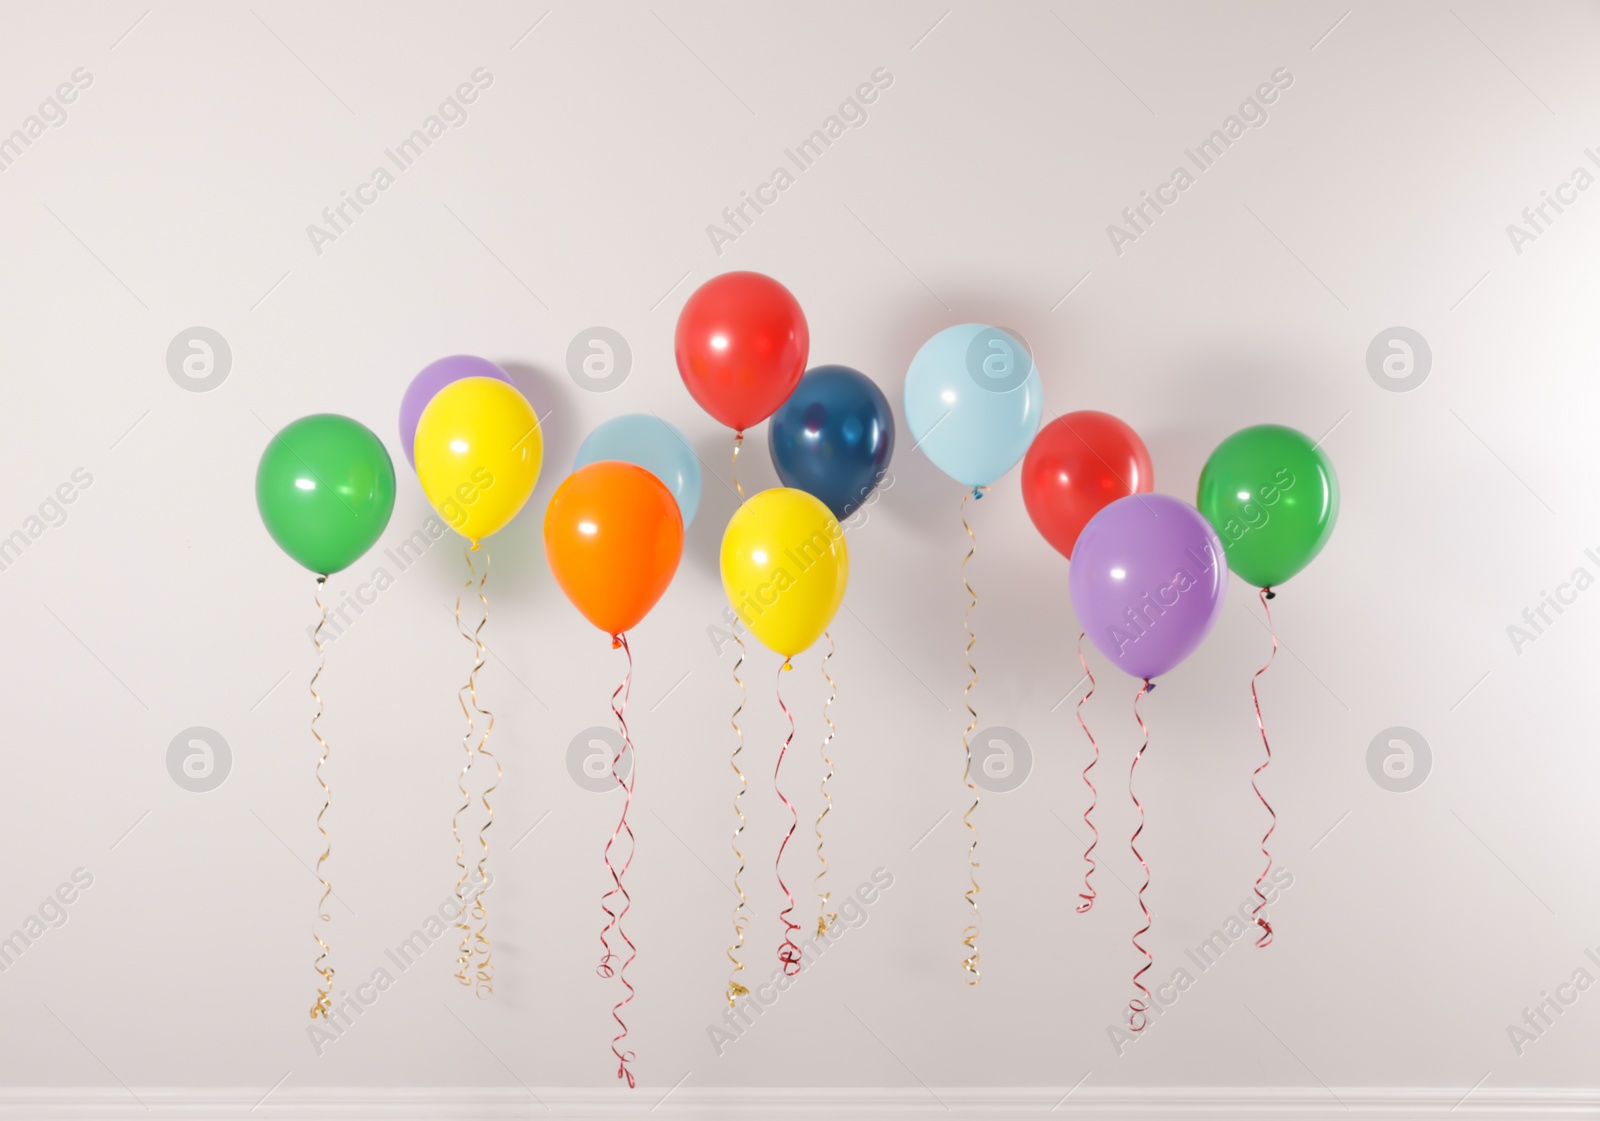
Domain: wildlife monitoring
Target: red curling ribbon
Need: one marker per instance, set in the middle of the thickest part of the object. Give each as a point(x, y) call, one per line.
point(1088, 894)
point(788, 951)
point(1260, 919)
point(619, 707)
point(1139, 1006)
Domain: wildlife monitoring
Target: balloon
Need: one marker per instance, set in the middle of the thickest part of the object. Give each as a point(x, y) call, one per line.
point(833, 437)
point(613, 536)
point(434, 377)
point(478, 453)
point(325, 489)
point(784, 567)
point(1147, 581)
point(973, 402)
point(1272, 495)
point(1079, 464)
point(741, 346)
point(653, 444)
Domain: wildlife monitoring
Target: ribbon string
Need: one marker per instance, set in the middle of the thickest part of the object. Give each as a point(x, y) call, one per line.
point(1260, 919)
point(485, 970)
point(824, 916)
point(740, 922)
point(969, 935)
point(323, 1005)
point(788, 952)
point(738, 442)
point(619, 708)
point(1088, 894)
point(1138, 1007)
point(473, 922)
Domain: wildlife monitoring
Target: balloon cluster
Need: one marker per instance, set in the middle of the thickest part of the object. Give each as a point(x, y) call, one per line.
point(1148, 572)
point(741, 346)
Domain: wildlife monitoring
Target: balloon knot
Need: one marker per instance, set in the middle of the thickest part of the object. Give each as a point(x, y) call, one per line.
point(616, 642)
point(788, 664)
point(977, 494)
point(1149, 686)
point(1270, 593)
point(475, 546)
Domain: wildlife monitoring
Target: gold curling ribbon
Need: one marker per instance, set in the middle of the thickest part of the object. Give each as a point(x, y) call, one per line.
point(474, 940)
point(740, 922)
point(825, 916)
point(738, 442)
point(735, 989)
point(969, 935)
point(323, 1005)
point(464, 952)
point(480, 913)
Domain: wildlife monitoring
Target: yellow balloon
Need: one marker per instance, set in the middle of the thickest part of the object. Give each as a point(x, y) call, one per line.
point(478, 453)
point(784, 568)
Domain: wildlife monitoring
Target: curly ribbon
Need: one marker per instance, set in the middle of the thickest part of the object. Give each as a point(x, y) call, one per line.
point(969, 935)
point(788, 952)
point(1088, 894)
point(740, 922)
point(480, 915)
point(738, 442)
point(474, 939)
point(323, 1005)
point(1260, 919)
point(619, 708)
point(825, 916)
point(1139, 1006)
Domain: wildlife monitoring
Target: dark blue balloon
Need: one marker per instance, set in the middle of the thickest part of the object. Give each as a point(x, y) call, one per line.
point(833, 437)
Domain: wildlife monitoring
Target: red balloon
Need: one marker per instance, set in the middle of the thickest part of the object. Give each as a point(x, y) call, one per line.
point(1079, 464)
point(741, 347)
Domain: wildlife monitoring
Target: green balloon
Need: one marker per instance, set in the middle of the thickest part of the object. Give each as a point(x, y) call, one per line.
point(1272, 496)
point(325, 489)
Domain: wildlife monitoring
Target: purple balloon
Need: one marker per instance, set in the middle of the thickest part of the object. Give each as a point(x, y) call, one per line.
point(434, 377)
point(1146, 580)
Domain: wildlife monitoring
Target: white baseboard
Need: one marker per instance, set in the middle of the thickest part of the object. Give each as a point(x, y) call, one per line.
point(659, 1104)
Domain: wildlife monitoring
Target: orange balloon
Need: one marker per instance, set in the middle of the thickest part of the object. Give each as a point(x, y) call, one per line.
point(613, 535)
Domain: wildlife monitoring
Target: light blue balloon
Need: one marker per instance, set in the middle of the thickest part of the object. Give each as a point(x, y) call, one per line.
point(973, 402)
point(655, 445)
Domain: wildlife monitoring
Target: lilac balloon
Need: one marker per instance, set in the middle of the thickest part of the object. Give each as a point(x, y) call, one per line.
point(1146, 581)
point(434, 377)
